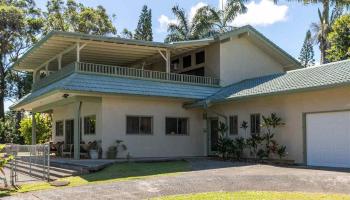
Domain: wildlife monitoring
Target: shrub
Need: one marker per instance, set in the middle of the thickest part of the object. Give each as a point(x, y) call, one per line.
point(43, 128)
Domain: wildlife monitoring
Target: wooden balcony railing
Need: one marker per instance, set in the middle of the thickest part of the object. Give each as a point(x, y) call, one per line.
point(90, 68)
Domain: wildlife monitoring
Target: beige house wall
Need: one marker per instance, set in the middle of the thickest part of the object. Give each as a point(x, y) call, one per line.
point(115, 110)
point(290, 108)
point(240, 59)
point(66, 112)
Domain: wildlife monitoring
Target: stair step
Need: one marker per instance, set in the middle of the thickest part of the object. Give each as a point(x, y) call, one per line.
point(37, 174)
point(52, 168)
point(41, 170)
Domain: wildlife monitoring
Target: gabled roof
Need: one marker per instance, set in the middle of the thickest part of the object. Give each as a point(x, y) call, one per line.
point(119, 51)
point(101, 84)
point(312, 78)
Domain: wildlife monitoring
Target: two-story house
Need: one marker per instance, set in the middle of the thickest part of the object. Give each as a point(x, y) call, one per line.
point(166, 100)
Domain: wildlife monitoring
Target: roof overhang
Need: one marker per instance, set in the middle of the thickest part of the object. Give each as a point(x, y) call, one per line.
point(98, 49)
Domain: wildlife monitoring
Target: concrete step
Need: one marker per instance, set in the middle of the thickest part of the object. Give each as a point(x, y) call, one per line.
point(52, 168)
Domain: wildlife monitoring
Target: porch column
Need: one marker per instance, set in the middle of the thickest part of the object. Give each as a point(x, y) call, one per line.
point(77, 109)
point(168, 61)
point(33, 129)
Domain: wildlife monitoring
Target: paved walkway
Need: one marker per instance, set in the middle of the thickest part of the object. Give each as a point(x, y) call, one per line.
point(208, 176)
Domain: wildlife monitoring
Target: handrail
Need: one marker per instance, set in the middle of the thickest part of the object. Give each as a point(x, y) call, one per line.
point(91, 68)
point(144, 74)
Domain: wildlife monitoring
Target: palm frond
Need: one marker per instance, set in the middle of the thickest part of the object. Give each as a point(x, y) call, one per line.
point(180, 14)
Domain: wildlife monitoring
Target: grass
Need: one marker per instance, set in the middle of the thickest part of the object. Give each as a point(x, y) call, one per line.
point(117, 172)
point(257, 196)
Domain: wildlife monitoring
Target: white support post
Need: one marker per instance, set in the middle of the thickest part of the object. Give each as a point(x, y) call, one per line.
point(168, 61)
point(47, 69)
point(59, 60)
point(78, 51)
point(77, 131)
point(35, 73)
point(33, 129)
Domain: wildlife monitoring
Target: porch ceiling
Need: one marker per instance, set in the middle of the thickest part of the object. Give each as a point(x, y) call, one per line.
point(98, 49)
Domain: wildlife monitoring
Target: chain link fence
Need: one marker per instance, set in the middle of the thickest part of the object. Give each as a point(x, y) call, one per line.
point(33, 160)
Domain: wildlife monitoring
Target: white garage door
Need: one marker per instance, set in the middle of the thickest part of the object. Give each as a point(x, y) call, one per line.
point(328, 139)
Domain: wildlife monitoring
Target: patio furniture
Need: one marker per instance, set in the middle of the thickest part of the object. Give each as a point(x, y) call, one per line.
point(67, 150)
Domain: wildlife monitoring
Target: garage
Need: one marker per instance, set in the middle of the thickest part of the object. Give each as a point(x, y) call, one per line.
point(328, 139)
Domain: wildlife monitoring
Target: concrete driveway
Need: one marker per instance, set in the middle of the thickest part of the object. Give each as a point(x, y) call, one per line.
point(209, 176)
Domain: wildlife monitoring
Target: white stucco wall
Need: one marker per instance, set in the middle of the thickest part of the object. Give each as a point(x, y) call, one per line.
point(290, 108)
point(66, 112)
point(240, 59)
point(115, 110)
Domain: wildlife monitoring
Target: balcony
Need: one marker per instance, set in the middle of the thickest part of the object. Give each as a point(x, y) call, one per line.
point(108, 70)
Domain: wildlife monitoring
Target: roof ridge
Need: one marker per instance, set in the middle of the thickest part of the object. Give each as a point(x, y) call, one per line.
point(322, 65)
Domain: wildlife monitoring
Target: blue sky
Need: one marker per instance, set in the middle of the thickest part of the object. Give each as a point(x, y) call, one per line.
point(285, 23)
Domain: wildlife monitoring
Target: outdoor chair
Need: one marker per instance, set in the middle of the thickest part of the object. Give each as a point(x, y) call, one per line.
point(67, 150)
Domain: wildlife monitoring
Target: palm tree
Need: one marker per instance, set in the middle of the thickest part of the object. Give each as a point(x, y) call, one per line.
point(320, 31)
point(183, 29)
point(215, 20)
point(325, 21)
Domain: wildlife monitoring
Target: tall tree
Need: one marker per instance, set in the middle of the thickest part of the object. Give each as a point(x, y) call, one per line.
point(144, 26)
point(325, 17)
point(20, 22)
point(183, 29)
point(307, 52)
point(219, 20)
point(339, 39)
point(76, 17)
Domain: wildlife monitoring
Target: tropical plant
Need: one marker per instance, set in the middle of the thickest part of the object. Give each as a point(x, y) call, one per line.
point(269, 123)
point(306, 57)
point(282, 151)
point(4, 159)
point(244, 126)
point(215, 20)
point(225, 145)
point(339, 39)
point(43, 128)
point(76, 17)
point(254, 143)
point(183, 29)
point(144, 26)
point(239, 144)
point(113, 150)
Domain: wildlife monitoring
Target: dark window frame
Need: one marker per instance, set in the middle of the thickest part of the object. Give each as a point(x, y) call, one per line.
point(200, 60)
point(255, 122)
point(233, 121)
point(89, 128)
point(139, 125)
point(56, 128)
point(177, 126)
point(184, 64)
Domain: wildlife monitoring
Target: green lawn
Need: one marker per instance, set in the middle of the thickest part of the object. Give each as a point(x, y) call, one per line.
point(256, 196)
point(117, 172)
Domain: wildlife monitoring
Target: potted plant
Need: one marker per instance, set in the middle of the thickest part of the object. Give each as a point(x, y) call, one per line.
point(94, 150)
point(113, 150)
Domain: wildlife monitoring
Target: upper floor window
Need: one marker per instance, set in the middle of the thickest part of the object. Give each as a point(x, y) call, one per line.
point(59, 128)
point(187, 61)
point(176, 126)
point(200, 57)
point(139, 125)
point(90, 125)
point(255, 123)
point(233, 120)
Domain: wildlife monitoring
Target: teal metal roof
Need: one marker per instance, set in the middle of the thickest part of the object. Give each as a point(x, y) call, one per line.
point(323, 76)
point(78, 82)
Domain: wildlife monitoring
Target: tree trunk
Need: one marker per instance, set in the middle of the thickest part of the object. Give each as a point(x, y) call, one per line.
point(2, 88)
point(326, 29)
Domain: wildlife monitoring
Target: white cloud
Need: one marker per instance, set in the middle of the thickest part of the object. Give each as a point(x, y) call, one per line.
point(195, 8)
point(263, 13)
point(164, 20)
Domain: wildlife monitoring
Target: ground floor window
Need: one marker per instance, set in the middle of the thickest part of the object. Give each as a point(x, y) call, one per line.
point(139, 125)
point(233, 120)
point(59, 128)
point(176, 126)
point(90, 125)
point(255, 123)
